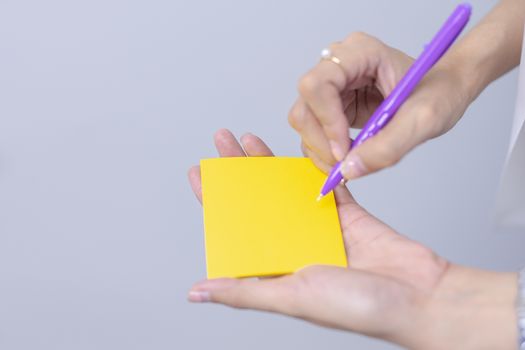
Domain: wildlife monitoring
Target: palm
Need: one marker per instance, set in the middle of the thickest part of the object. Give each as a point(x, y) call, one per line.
point(373, 246)
point(385, 268)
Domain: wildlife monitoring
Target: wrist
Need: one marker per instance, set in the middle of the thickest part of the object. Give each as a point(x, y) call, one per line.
point(490, 49)
point(448, 93)
point(467, 84)
point(470, 309)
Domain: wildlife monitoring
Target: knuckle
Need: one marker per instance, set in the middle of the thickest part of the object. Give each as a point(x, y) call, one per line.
point(425, 112)
point(235, 299)
point(296, 117)
point(362, 37)
point(308, 85)
point(365, 41)
point(425, 253)
point(426, 123)
point(357, 36)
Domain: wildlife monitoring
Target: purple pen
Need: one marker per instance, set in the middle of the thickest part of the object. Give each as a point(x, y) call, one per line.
point(386, 110)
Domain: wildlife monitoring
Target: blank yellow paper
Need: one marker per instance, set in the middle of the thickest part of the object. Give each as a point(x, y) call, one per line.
point(261, 217)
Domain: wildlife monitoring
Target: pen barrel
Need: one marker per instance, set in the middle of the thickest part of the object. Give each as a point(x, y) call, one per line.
point(426, 60)
point(386, 110)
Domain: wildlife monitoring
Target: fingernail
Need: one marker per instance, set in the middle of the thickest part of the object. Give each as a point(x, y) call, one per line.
point(201, 292)
point(353, 167)
point(337, 151)
point(199, 296)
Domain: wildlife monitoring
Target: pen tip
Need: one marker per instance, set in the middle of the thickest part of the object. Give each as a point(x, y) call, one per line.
point(319, 197)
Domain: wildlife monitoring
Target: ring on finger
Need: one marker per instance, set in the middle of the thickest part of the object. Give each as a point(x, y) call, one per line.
point(327, 55)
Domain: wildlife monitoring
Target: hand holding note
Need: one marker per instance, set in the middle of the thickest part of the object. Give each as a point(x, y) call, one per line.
point(388, 274)
point(393, 288)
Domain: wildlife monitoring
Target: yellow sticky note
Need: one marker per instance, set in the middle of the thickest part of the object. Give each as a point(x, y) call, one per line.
point(261, 217)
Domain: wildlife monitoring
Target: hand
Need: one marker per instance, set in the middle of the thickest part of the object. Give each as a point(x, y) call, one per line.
point(334, 97)
point(394, 288)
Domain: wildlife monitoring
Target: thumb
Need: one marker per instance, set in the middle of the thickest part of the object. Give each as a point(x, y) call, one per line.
point(271, 294)
point(384, 149)
point(336, 297)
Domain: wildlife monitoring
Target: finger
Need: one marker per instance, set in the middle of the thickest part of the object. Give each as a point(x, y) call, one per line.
point(227, 144)
point(272, 294)
point(331, 296)
point(359, 58)
point(318, 162)
point(305, 123)
point(343, 196)
point(255, 147)
point(388, 146)
point(321, 89)
point(194, 176)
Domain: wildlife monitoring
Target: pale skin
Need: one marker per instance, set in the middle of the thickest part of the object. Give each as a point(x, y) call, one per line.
point(394, 288)
point(333, 98)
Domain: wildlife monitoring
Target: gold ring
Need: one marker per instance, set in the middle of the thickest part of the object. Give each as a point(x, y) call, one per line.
point(326, 54)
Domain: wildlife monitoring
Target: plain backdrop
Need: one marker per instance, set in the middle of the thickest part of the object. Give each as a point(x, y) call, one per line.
point(104, 104)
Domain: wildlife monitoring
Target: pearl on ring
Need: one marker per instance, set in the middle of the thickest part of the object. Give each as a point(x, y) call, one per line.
point(326, 54)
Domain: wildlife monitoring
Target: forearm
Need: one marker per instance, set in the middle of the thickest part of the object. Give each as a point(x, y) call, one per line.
point(490, 49)
point(471, 309)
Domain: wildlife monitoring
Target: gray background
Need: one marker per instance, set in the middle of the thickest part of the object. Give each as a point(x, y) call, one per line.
point(105, 104)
